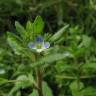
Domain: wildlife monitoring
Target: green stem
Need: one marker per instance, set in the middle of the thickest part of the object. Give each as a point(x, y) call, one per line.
point(39, 81)
point(74, 77)
point(78, 74)
point(39, 76)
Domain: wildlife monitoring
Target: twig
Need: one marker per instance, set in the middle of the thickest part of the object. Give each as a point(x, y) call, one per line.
point(73, 77)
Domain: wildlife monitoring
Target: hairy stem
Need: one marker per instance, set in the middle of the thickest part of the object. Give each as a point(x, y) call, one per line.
point(39, 81)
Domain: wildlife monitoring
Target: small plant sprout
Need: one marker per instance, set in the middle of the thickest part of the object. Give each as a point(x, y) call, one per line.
point(39, 45)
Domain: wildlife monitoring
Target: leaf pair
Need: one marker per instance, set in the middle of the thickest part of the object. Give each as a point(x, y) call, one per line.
point(32, 29)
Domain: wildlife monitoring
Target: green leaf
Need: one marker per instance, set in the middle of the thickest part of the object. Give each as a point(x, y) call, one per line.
point(58, 34)
point(34, 93)
point(22, 82)
point(61, 66)
point(46, 89)
point(76, 88)
point(86, 41)
point(51, 58)
point(3, 81)
point(90, 65)
point(14, 92)
point(18, 93)
point(80, 52)
point(29, 26)
point(60, 41)
point(29, 29)
point(20, 29)
point(14, 42)
point(38, 25)
point(75, 29)
point(89, 91)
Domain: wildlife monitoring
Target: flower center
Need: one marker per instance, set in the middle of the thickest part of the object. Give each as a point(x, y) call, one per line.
point(38, 46)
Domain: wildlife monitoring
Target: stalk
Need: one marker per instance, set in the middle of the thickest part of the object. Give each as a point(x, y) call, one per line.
point(39, 81)
point(39, 76)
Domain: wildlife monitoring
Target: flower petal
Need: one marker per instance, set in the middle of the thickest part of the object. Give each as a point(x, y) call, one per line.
point(31, 45)
point(39, 50)
point(39, 39)
point(46, 44)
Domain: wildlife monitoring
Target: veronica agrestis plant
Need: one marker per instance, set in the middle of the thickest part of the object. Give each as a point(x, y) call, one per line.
point(32, 43)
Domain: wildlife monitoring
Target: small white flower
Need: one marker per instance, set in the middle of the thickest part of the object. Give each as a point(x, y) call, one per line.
point(39, 45)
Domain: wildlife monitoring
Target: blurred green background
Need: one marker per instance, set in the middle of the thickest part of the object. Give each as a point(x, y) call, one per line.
point(54, 12)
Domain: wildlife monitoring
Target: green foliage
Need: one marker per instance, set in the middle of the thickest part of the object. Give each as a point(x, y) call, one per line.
point(3, 81)
point(14, 43)
point(89, 91)
point(38, 25)
point(68, 57)
point(46, 90)
point(51, 58)
point(23, 82)
point(68, 66)
point(59, 34)
point(76, 88)
point(32, 29)
point(26, 35)
point(20, 29)
point(34, 93)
